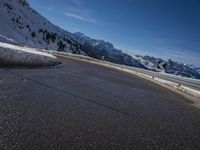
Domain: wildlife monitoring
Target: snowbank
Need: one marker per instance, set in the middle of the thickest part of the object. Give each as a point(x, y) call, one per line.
point(12, 55)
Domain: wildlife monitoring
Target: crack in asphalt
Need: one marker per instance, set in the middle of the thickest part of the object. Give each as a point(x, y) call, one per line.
point(69, 93)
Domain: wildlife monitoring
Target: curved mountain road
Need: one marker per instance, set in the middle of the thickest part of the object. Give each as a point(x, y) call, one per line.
point(88, 106)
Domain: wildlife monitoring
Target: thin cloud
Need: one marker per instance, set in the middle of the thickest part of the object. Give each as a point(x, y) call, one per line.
point(79, 17)
point(77, 2)
point(79, 11)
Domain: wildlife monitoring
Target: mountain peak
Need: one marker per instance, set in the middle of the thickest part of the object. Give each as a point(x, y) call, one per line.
point(23, 2)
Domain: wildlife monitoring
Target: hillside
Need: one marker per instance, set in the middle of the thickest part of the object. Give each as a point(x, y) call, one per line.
point(21, 24)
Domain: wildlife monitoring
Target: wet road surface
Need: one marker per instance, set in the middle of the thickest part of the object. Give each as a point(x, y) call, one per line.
point(83, 106)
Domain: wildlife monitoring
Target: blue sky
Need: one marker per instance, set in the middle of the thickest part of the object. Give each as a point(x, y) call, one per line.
point(161, 28)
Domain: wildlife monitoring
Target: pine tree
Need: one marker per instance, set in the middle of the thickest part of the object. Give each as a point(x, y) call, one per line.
point(33, 34)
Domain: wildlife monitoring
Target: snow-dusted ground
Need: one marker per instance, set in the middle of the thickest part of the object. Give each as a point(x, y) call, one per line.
point(16, 55)
point(6, 39)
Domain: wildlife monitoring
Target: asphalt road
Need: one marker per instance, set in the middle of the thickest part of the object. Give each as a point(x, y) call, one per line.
point(188, 82)
point(83, 106)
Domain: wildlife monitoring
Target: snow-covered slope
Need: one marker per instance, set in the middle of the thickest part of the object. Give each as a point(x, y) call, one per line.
point(104, 50)
point(20, 23)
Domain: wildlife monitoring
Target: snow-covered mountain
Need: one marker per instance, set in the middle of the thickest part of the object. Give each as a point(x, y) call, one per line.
point(22, 25)
point(172, 67)
point(104, 50)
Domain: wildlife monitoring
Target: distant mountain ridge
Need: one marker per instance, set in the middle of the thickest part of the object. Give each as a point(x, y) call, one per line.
point(20, 24)
point(104, 50)
point(172, 67)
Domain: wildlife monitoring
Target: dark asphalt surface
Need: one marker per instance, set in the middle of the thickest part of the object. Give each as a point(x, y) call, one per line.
point(83, 106)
